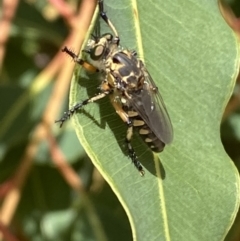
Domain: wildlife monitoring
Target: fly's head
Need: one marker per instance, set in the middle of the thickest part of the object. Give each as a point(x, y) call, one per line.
point(100, 48)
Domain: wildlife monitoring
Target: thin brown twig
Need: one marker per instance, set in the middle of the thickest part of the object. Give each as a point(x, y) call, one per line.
point(230, 17)
point(80, 26)
point(7, 234)
point(12, 198)
point(63, 8)
point(8, 12)
point(65, 169)
point(83, 20)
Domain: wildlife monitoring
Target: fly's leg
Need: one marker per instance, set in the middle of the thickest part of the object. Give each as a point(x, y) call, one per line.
point(108, 22)
point(80, 61)
point(122, 112)
point(131, 151)
point(79, 105)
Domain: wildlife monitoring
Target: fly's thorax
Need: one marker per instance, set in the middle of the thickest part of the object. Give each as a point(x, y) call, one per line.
point(126, 69)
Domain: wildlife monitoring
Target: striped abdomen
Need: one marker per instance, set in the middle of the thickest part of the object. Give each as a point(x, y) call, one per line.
point(145, 132)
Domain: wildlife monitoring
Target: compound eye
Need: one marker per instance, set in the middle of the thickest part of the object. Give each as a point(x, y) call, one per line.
point(97, 52)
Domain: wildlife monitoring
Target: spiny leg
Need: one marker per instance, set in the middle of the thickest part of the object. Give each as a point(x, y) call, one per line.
point(107, 20)
point(80, 61)
point(122, 112)
point(131, 151)
point(79, 105)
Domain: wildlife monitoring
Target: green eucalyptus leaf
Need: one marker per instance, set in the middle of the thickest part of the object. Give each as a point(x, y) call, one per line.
point(191, 190)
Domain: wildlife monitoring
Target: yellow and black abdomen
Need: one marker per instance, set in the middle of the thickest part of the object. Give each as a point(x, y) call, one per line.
point(145, 132)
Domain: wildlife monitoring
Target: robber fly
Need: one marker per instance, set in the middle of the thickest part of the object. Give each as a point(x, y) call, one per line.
point(131, 89)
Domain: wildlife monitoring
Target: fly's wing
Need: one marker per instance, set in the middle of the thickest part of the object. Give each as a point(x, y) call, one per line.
point(150, 106)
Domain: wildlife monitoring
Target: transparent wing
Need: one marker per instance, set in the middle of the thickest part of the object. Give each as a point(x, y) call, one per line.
point(150, 106)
